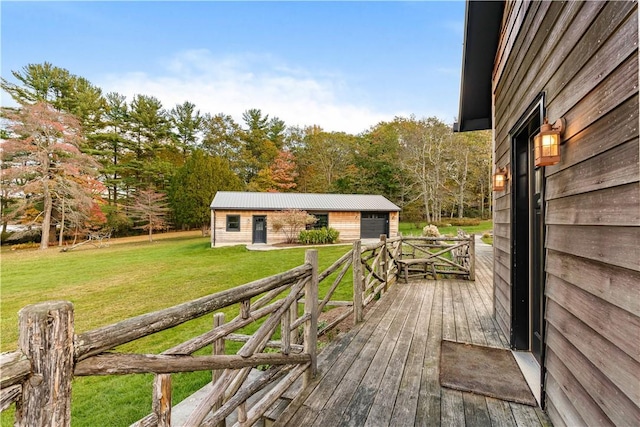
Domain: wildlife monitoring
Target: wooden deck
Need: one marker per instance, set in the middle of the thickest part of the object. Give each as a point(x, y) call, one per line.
point(385, 371)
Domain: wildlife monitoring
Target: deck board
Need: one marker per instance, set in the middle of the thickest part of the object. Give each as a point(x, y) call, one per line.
point(387, 370)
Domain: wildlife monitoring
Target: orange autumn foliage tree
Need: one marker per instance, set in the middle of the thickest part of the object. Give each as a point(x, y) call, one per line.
point(280, 176)
point(43, 152)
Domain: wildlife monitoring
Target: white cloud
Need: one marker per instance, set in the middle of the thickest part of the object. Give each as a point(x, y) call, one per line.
point(234, 84)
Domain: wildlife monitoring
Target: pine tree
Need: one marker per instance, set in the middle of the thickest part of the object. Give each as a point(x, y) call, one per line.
point(195, 184)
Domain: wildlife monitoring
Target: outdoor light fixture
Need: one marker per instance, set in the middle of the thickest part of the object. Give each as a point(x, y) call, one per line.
point(500, 179)
point(547, 143)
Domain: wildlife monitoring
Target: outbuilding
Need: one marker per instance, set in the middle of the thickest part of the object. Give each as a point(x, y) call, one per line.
point(244, 217)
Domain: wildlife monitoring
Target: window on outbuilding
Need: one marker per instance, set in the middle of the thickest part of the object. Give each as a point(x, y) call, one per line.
point(233, 222)
point(322, 220)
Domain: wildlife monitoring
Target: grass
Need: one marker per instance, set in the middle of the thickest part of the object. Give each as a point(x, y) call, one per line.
point(111, 284)
point(410, 229)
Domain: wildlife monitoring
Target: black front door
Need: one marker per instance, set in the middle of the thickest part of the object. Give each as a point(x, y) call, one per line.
point(528, 278)
point(259, 229)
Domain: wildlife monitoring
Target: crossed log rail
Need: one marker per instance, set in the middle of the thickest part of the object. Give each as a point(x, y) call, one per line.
point(437, 257)
point(38, 376)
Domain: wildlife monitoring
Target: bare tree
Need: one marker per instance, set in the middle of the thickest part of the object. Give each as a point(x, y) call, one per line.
point(150, 208)
point(291, 222)
point(424, 145)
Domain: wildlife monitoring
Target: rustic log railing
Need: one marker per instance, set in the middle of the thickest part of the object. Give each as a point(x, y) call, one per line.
point(37, 377)
point(437, 257)
point(375, 270)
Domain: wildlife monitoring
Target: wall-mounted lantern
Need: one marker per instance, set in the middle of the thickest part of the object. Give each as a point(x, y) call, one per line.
point(500, 179)
point(547, 143)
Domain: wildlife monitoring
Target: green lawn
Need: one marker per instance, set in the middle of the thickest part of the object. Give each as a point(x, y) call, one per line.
point(410, 229)
point(110, 284)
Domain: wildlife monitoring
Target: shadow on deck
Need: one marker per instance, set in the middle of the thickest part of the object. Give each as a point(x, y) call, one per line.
point(385, 371)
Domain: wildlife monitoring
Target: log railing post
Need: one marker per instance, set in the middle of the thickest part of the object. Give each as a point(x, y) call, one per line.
point(311, 309)
point(294, 337)
point(384, 262)
point(245, 308)
point(472, 257)
point(356, 265)
point(46, 338)
point(285, 331)
point(242, 414)
point(162, 399)
point(218, 349)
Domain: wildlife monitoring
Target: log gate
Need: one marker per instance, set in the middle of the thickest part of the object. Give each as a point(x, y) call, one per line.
point(37, 377)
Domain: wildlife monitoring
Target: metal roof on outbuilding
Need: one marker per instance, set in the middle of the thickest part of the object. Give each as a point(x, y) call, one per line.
point(235, 200)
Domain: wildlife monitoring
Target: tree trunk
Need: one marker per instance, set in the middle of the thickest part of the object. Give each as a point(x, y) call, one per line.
point(61, 225)
point(425, 201)
point(482, 200)
point(46, 221)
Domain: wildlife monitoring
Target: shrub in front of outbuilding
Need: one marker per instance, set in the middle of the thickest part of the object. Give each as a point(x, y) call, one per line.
point(320, 236)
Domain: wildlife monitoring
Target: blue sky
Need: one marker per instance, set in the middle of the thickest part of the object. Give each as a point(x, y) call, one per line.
point(342, 65)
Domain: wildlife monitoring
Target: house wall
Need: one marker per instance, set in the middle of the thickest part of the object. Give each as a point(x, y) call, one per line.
point(347, 223)
point(394, 224)
point(584, 56)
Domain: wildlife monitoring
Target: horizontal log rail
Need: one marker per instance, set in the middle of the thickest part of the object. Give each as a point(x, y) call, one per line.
point(9, 395)
point(123, 364)
point(15, 368)
point(109, 337)
point(50, 354)
point(427, 256)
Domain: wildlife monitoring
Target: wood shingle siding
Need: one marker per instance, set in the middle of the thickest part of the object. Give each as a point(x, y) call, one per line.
point(584, 57)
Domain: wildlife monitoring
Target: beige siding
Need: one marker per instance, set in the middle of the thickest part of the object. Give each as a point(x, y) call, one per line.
point(222, 236)
point(394, 224)
point(584, 56)
point(347, 223)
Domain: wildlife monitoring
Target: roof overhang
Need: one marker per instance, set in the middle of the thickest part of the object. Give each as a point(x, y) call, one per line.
point(481, 35)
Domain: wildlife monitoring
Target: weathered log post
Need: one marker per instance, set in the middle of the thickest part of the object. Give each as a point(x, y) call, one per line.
point(293, 316)
point(245, 308)
point(472, 257)
point(384, 262)
point(46, 338)
point(285, 331)
point(356, 265)
point(162, 399)
point(311, 309)
point(242, 413)
point(219, 344)
point(218, 350)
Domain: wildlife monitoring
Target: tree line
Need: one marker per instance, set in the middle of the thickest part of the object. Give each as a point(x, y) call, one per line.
point(75, 158)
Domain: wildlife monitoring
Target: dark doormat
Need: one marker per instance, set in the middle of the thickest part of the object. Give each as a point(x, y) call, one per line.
point(483, 370)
